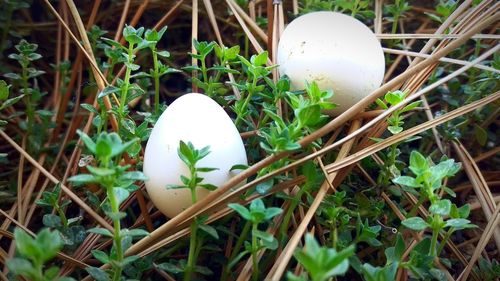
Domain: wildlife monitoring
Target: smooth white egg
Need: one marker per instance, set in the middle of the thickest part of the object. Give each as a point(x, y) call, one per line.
point(337, 51)
point(198, 119)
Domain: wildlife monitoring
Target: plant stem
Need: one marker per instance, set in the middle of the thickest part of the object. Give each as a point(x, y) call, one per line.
point(62, 216)
point(217, 78)
point(115, 208)
point(126, 84)
point(255, 267)
point(204, 71)
point(30, 113)
point(289, 213)
point(191, 263)
point(237, 247)
point(247, 100)
point(435, 233)
point(443, 242)
point(156, 77)
point(192, 249)
point(334, 235)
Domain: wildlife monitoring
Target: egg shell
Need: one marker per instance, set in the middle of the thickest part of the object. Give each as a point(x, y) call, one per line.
point(337, 51)
point(198, 119)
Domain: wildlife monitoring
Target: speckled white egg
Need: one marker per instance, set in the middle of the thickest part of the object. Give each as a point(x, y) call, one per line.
point(198, 119)
point(336, 51)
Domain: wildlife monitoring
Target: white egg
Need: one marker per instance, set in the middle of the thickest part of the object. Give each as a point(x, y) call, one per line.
point(198, 119)
point(337, 51)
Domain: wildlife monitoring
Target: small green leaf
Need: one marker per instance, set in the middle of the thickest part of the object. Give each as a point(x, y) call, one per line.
point(441, 207)
point(107, 91)
point(101, 256)
point(238, 167)
point(83, 178)
point(395, 129)
point(164, 54)
point(134, 175)
point(244, 212)
point(260, 59)
point(20, 266)
point(121, 194)
point(51, 220)
point(97, 273)
point(380, 103)
point(415, 223)
point(101, 231)
point(407, 181)
point(169, 267)
point(101, 172)
point(4, 90)
point(418, 163)
point(209, 230)
point(395, 97)
point(263, 187)
point(481, 135)
point(11, 101)
point(459, 223)
point(134, 232)
point(272, 212)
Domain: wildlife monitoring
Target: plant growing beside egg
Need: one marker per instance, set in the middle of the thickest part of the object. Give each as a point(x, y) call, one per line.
point(191, 156)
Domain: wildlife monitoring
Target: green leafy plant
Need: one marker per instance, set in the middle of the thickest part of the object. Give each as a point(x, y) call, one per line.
point(25, 56)
point(191, 156)
point(443, 10)
point(255, 70)
point(118, 183)
point(159, 69)
point(126, 90)
point(321, 263)
point(396, 12)
point(395, 126)
point(210, 81)
point(256, 214)
point(71, 233)
point(34, 253)
point(428, 181)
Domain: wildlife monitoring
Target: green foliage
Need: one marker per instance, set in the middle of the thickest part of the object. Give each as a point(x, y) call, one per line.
point(321, 263)
point(210, 81)
point(118, 182)
point(34, 253)
point(487, 270)
point(191, 156)
point(71, 233)
point(153, 37)
point(428, 181)
point(396, 11)
point(395, 123)
point(361, 9)
point(443, 10)
point(256, 214)
point(26, 55)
